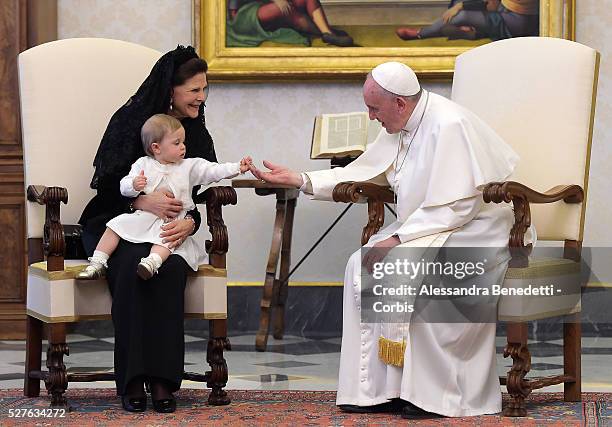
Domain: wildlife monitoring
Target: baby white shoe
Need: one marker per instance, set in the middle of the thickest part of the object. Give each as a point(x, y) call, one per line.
point(146, 268)
point(92, 272)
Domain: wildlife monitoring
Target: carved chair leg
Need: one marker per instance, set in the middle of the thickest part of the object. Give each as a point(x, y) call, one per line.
point(571, 359)
point(31, 386)
point(217, 378)
point(271, 283)
point(517, 387)
point(57, 380)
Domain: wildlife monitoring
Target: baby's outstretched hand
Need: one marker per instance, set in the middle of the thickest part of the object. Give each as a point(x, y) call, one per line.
point(245, 164)
point(140, 181)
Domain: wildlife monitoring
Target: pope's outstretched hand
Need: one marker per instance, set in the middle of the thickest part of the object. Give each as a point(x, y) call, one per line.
point(277, 174)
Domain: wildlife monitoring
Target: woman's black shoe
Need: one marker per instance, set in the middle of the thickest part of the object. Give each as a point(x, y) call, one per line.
point(162, 398)
point(165, 406)
point(134, 404)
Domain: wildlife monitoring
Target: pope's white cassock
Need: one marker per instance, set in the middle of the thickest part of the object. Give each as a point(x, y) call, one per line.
point(449, 368)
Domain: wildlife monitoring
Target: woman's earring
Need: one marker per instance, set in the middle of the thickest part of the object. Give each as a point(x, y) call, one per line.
point(170, 104)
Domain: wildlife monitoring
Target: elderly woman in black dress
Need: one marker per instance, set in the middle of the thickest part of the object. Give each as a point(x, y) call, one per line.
point(148, 316)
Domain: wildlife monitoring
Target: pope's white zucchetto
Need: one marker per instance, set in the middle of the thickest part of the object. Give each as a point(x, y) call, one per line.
point(396, 78)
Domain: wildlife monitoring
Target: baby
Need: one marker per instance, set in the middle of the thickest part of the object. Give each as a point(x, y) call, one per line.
point(164, 167)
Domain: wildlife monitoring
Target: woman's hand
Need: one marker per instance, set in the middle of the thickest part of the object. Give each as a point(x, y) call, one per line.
point(175, 232)
point(162, 204)
point(379, 251)
point(452, 12)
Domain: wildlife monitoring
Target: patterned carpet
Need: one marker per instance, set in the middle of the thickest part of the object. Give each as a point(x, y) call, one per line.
point(101, 407)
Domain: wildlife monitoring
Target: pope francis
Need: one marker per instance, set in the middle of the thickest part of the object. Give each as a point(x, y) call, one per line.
point(436, 156)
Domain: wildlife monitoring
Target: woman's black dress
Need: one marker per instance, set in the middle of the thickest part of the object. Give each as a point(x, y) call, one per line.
point(147, 315)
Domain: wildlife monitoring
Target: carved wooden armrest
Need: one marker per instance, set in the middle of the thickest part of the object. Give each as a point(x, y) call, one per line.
point(521, 196)
point(376, 196)
point(53, 231)
point(215, 198)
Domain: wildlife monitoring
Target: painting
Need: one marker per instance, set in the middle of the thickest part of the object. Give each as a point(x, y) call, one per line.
point(282, 40)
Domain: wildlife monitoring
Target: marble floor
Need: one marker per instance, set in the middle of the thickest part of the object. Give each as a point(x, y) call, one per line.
point(295, 363)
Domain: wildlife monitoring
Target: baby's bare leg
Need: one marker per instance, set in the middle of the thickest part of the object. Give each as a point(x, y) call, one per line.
point(162, 251)
point(97, 263)
point(108, 242)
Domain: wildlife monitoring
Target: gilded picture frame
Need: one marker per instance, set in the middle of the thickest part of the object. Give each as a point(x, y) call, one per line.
point(557, 19)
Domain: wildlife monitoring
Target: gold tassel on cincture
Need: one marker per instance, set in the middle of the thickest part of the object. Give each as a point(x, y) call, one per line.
point(391, 352)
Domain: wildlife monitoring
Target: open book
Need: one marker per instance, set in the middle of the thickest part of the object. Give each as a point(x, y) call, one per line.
point(345, 134)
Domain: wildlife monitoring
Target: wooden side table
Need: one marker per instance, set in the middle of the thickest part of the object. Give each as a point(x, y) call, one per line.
point(275, 289)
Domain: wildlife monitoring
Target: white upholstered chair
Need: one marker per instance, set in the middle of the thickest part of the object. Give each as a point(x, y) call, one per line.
point(538, 93)
point(69, 89)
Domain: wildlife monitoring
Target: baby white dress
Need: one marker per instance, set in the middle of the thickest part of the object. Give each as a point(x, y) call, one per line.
point(179, 178)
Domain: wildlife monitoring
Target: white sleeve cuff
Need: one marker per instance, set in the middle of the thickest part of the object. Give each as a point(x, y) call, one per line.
point(306, 187)
point(126, 187)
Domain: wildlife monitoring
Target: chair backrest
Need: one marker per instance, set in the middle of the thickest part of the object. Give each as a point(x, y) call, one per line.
point(538, 93)
point(69, 89)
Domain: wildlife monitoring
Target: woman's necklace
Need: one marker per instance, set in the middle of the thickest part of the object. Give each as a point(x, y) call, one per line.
point(396, 169)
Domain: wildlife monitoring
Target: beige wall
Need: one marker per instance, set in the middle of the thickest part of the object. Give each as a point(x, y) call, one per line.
point(274, 121)
point(160, 24)
point(594, 28)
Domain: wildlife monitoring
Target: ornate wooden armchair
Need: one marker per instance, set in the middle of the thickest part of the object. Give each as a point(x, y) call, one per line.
point(539, 94)
point(69, 90)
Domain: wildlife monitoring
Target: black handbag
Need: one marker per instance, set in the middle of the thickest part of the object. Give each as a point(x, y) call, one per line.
point(74, 244)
